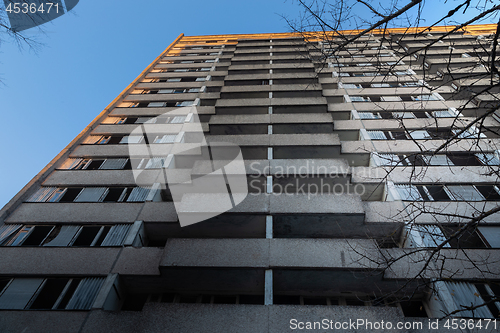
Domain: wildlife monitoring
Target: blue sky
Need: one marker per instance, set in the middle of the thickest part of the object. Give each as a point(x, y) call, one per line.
point(89, 56)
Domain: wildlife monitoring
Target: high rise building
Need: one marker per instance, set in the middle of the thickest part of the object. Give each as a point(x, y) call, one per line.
point(339, 186)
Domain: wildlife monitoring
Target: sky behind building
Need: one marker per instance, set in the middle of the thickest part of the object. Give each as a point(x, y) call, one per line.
point(91, 54)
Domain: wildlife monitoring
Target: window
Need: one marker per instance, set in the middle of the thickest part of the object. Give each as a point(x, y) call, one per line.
point(465, 193)
point(50, 294)
point(488, 158)
point(95, 194)
point(425, 236)
point(131, 139)
point(437, 192)
point(96, 139)
point(470, 133)
point(184, 103)
point(349, 86)
point(408, 192)
point(359, 99)
point(491, 235)
point(167, 138)
point(82, 164)
point(444, 114)
point(419, 134)
point(390, 98)
point(156, 104)
point(337, 74)
point(376, 135)
point(388, 159)
point(425, 98)
point(411, 84)
point(380, 85)
point(471, 295)
point(437, 160)
point(368, 115)
point(91, 194)
point(403, 115)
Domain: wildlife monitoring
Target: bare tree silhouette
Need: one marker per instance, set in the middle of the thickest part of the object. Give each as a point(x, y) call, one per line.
point(404, 69)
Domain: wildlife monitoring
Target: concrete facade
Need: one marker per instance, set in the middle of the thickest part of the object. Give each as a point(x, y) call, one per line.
point(327, 155)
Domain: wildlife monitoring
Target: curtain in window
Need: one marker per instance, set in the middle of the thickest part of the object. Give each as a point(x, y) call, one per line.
point(466, 294)
point(138, 194)
point(85, 294)
point(65, 235)
point(42, 195)
point(6, 230)
point(113, 164)
point(19, 292)
point(92, 194)
point(408, 192)
point(116, 235)
point(377, 135)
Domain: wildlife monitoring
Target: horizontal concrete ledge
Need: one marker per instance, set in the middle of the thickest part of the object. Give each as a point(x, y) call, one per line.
point(419, 123)
point(273, 87)
point(208, 318)
point(474, 264)
point(278, 139)
point(57, 261)
point(76, 212)
point(270, 101)
point(139, 261)
point(271, 119)
point(426, 174)
point(408, 146)
point(158, 111)
point(310, 253)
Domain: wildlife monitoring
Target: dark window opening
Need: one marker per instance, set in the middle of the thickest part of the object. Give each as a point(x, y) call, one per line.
point(37, 236)
point(168, 298)
point(387, 243)
point(134, 302)
point(286, 299)
point(413, 309)
point(399, 135)
point(251, 299)
point(188, 298)
point(423, 194)
point(3, 283)
point(115, 140)
point(489, 192)
point(71, 194)
point(315, 301)
point(130, 120)
point(49, 294)
point(115, 194)
point(485, 295)
point(104, 233)
point(224, 299)
point(464, 159)
point(438, 193)
point(128, 165)
point(86, 236)
point(468, 239)
point(94, 164)
point(354, 301)
point(414, 160)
